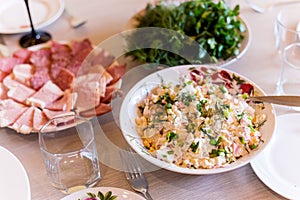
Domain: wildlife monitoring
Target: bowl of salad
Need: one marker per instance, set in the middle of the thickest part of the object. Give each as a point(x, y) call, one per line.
point(196, 119)
point(178, 32)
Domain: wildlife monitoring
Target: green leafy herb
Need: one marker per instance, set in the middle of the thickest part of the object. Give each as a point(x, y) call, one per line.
point(194, 146)
point(199, 27)
point(107, 196)
point(171, 135)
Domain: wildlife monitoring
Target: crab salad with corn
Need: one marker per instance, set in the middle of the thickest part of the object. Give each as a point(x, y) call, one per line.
point(203, 122)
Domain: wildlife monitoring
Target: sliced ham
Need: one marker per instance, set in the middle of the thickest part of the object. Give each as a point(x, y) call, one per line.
point(101, 109)
point(39, 119)
point(9, 116)
point(24, 124)
point(51, 113)
point(23, 73)
point(8, 63)
point(10, 104)
point(63, 104)
point(49, 93)
point(17, 90)
point(88, 89)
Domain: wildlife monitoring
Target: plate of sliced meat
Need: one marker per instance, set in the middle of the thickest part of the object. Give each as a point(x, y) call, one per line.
point(50, 79)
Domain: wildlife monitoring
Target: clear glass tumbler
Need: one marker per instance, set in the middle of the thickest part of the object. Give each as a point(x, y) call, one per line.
point(289, 78)
point(69, 151)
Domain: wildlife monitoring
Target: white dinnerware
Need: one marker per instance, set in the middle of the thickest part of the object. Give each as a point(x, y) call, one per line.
point(128, 114)
point(278, 165)
point(14, 182)
point(14, 18)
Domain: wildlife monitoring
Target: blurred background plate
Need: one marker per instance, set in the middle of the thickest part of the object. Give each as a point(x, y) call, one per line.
point(14, 17)
point(14, 183)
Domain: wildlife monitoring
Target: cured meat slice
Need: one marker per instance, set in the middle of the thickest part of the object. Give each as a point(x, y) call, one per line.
point(3, 92)
point(17, 90)
point(9, 116)
point(10, 104)
point(40, 77)
point(39, 119)
point(24, 124)
point(64, 104)
point(116, 71)
point(79, 46)
point(23, 73)
point(61, 55)
point(51, 113)
point(46, 95)
point(23, 54)
point(64, 79)
point(101, 109)
point(41, 58)
point(103, 58)
point(8, 63)
point(3, 75)
point(110, 90)
point(88, 89)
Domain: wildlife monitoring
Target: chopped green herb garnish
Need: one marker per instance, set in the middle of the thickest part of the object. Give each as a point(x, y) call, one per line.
point(194, 146)
point(171, 136)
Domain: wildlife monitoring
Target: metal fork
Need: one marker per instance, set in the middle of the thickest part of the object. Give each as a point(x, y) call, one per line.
point(133, 172)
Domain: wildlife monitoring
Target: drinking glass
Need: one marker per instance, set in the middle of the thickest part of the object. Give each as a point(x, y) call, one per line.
point(289, 79)
point(287, 27)
point(69, 152)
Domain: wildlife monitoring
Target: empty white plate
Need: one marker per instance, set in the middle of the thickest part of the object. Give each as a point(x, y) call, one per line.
point(278, 165)
point(14, 17)
point(14, 183)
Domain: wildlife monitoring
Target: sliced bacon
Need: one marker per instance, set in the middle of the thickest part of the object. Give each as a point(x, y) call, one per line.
point(7, 118)
point(24, 124)
point(23, 73)
point(101, 109)
point(8, 63)
point(64, 104)
point(49, 93)
point(23, 54)
point(39, 119)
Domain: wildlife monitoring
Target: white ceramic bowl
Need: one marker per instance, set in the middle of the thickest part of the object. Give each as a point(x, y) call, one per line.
point(128, 114)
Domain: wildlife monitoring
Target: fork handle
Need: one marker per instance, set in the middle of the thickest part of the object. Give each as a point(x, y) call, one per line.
point(147, 195)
